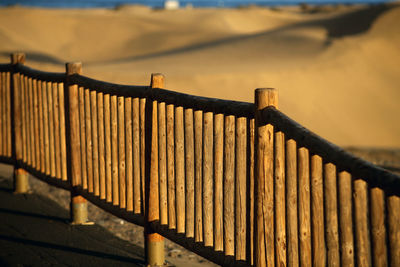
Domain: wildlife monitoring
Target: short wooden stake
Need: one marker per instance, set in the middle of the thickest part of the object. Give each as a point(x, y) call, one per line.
point(154, 243)
point(21, 185)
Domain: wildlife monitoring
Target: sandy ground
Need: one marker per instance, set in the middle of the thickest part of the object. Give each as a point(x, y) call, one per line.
point(336, 68)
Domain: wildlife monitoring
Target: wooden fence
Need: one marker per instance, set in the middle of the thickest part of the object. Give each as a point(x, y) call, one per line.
point(237, 183)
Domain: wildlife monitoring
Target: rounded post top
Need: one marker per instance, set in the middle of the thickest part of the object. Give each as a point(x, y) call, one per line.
point(157, 80)
point(265, 97)
point(73, 68)
point(17, 58)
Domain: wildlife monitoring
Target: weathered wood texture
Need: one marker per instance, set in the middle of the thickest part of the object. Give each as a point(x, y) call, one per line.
point(218, 182)
point(189, 172)
point(208, 181)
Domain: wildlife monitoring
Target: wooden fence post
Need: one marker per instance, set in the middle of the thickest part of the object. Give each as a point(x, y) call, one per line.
point(264, 180)
point(78, 204)
point(154, 243)
point(21, 184)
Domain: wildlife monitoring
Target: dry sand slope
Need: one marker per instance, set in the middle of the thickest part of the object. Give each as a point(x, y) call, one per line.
point(337, 71)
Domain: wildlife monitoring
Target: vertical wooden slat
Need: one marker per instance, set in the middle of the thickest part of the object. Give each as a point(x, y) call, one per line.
point(378, 228)
point(46, 128)
point(162, 163)
point(280, 203)
point(136, 157)
point(208, 150)
point(114, 150)
point(171, 166)
point(27, 144)
point(361, 204)
point(31, 121)
point(331, 209)
point(198, 157)
point(264, 181)
point(189, 172)
point(102, 161)
point(74, 144)
point(250, 246)
point(21, 86)
point(180, 170)
point(8, 115)
point(2, 101)
point(89, 143)
point(346, 219)
point(218, 182)
point(292, 204)
point(229, 185)
point(121, 152)
point(240, 188)
point(128, 154)
point(107, 137)
point(82, 126)
point(317, 211)
point(50, 101)
point(304, 207)
point(41, 128)
point(17, 115)
point(142, 116)
point(95, 142)
point(56, 122)
point(393, 207)
point(36, 124)
point(62, 132)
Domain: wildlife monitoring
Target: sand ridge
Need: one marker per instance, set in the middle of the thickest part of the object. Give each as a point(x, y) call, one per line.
point(336, 70)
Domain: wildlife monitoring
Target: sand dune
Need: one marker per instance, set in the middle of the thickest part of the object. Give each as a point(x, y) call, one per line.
point(337, 70)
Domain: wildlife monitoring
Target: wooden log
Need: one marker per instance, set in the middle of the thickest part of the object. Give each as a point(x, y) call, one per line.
point(304, 207)
point(280, 199)
point(136, 157)
point(171, 166)
point(56, 123)
point(162, 163)
point(95, 142)
point(41, 128)
point(317, 211)
point(28, 82)
point(121, 152)
point(378, 228)
point(229, 185)
point(240, 188)
point(180, 170)
point(74, 147)
point(331, 209)
point(52, 155)
point(142, 126)
point(114, 150)
point(264, 181)
point(36, 123)
point(82, 127)
point(102, 157)
point(208, 210)
point(218, 182)
point(63, 133)
point(128, 154)
point(107, 139)
point(250, 243)
point(89, 143)
point(2, 120)
point(189, 173)
point(346, 219)
point(363, 254)
point(292, 204)
point(393, 207)
point(8, 110)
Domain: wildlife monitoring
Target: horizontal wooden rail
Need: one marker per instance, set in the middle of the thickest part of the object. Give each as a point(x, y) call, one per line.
point(40, 75)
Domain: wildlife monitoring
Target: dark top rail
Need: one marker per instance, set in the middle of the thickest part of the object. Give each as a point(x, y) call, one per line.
point(207, 104)
point(5, 67)
point(344, 161)
point(40, 75)
point(109, 88)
